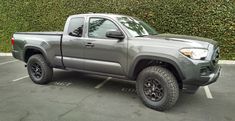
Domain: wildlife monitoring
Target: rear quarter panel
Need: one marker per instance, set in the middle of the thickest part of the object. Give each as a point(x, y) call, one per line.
point(49, 45)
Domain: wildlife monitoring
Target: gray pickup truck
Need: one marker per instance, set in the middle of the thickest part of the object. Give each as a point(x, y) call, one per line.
point(122, 47)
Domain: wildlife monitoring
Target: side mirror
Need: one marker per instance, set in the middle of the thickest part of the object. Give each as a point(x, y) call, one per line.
point(115, 34)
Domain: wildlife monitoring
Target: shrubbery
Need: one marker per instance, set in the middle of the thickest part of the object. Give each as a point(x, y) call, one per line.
point(206, 18)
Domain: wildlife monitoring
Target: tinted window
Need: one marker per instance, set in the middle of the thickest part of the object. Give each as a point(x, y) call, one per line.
point(76, 27)
point(99, 26)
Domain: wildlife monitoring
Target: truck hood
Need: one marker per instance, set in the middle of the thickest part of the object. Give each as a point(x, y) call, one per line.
point(192, 41)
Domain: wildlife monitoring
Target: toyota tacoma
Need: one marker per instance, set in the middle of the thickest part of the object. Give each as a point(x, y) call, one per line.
point(125, 47)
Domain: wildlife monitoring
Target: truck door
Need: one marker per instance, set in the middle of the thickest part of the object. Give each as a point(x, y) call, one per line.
point(73, 43)
point(105, 55)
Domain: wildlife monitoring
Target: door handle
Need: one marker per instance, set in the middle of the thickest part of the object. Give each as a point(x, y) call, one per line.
point(89, 44)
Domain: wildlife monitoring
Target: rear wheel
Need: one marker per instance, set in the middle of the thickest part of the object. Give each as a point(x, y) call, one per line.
point(157, 88)
point(39, 71)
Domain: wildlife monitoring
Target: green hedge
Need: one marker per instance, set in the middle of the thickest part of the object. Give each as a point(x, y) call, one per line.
point(206, 18)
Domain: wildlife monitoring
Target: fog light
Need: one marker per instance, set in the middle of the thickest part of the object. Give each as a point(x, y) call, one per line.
point(204, 71)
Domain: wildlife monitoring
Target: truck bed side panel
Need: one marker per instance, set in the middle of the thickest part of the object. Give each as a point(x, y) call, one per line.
point(48, 43)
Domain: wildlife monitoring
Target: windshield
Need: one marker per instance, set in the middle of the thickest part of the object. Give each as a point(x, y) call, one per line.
point(136, 27)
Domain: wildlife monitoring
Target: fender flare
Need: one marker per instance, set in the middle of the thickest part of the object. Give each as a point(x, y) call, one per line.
point(38, 49)
point(169, 60)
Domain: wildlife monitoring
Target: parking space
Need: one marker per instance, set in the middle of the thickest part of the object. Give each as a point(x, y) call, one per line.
point(73, 96)
point(6, 60)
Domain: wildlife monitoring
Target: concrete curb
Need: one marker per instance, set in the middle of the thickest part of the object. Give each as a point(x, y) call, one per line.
point(226, 62)
point(5, 54)
point(220, 61)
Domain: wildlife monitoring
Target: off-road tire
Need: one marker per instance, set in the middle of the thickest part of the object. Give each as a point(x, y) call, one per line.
point(46, 70)
point(168, 82)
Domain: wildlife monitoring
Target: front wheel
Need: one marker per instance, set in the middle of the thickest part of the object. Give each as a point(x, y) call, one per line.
point(157, 88)
point(38, 69)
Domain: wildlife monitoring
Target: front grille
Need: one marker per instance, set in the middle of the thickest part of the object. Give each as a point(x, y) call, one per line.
point(216, 55)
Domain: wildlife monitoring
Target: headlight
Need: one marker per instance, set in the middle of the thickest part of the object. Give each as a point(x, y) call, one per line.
point(195, 53)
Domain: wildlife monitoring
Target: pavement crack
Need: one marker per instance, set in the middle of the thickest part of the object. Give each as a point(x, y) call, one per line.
point(9, 84)
point(8, 98)
point(77, 105)
point(55, 101)
point(25, 116)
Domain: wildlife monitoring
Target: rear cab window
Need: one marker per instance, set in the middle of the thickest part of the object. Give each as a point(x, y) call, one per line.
point(76, 27)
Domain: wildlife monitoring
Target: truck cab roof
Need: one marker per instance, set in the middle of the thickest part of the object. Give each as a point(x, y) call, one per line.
point(111, 15)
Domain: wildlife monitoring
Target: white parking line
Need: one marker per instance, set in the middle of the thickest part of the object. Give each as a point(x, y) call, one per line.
point(208, 92)
point(102, 83)
point(20, 78)
point(3, 63)
point(68, 84)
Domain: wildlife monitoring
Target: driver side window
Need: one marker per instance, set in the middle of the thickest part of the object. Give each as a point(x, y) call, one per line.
point(99, 26)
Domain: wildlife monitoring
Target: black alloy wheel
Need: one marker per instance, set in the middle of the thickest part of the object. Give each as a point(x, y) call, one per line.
point(153, 89)
point(36, 70)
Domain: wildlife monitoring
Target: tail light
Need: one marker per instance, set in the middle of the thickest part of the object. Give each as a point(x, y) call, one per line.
point(12, 41)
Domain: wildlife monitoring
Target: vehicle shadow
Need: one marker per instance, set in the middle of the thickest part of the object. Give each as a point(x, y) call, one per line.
point(126, 89)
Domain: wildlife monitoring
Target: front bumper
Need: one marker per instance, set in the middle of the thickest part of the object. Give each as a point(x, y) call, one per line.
point(194, 77)
point(201, 74)
point(212, 77)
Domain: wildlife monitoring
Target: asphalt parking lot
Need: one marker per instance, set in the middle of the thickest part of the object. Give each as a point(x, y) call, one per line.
point(73, 96)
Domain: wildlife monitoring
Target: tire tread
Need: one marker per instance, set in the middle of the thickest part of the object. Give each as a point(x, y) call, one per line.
point(47, 77)
point(172, 84)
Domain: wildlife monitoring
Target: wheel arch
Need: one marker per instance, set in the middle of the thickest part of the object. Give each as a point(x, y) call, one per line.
point(171, 64)
point(32, 50)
